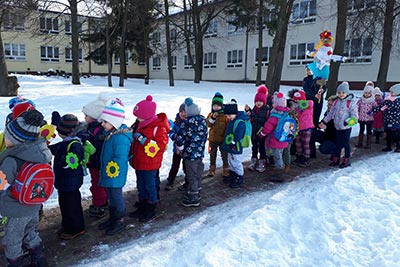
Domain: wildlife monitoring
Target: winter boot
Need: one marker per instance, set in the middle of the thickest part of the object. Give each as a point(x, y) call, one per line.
point(225, 171)
point(368, 145)
point(149, 212)
point(211, 171)
point(287, 168)
point(335, 161)
point(360, 140)
point(105, 225)
point(271, 161)
point(169, 185)
point(345, 163)
point(18, 262)
point(38, 258)
point(252, 165)
point(236, 182)
point(305, 162)
point(118, 225)
point(377, 136)
point(299, 160)
point(261, 165)
point(228, 179)
point(97, 212)
point(140, 209)
point(191, 201)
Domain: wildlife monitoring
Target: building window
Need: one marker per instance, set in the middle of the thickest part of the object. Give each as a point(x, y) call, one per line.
point(156, 63)
point(265, 55)
point(68, 27)
point(173, 35)
point(234, 59)
point(186, 63)
point(156, 38)
point(358, 50)
point(68, 55)
point(304, 11)
point(298, 54)
point(49, 54)
point(13, 21)
point(49, 25)
point(353, 6)
point(210, 60)
point(173, 63)
point(14, 52)
point(117, 59)
point(233, 29)
point(212, 29)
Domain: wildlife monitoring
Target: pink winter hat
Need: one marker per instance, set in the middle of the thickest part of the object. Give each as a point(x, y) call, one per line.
point(145, 109)
point(262, 93)
point(279, 100)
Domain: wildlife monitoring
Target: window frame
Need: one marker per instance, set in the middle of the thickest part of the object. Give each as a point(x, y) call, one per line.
point(210, 60)
point(307, 12)
point(156, 66)
point(186, 63)
point(302, 58)
point(364, 55)
point(234, 58)
point(264, 63)
point(68, 52)
point(49, 25)
point(19, 56)
point(55, 51)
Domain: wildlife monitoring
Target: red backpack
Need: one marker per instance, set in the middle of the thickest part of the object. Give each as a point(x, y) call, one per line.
point(33, 184)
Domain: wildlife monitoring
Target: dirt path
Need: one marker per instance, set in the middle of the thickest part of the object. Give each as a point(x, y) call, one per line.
point(67, 253)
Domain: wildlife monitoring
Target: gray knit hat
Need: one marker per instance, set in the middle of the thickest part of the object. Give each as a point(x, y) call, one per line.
point(191, 108)
point(343, 87)
point(24, 128)
point(182, 107)
point(395, 89)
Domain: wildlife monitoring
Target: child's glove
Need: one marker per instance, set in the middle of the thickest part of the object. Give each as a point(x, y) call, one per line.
point(55, 118)
point(140, 137)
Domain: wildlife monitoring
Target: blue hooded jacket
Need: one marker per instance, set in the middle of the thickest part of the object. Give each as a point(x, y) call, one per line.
point(233, 137)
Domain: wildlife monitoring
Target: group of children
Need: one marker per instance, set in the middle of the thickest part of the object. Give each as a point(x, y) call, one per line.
point(105, 146)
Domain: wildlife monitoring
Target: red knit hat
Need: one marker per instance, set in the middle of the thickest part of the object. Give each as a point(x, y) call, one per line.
point(262, 93)
point(145, 109)
point(299, 95)
point(21, 107)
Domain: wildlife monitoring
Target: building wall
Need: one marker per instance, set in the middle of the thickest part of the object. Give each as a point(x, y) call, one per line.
point(33, 43)
point(298, 33)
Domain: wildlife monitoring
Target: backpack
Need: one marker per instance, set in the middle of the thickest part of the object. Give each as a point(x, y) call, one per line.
point(33, 184)
point(286, 129)
point(246, 141)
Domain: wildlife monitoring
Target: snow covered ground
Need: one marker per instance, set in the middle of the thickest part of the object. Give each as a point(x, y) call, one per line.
point(348, 217)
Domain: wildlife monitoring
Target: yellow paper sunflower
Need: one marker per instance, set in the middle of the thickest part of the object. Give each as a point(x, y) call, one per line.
point(112, 169)
point(151, 149)
point(47, 131)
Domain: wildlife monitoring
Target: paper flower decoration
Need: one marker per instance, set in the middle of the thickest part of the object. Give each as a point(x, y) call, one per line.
point(303, 104)
point(3, 180)
point(351, 121)
point(47, 131)
point(112, 169)
point(151, 149)
point(229, 139)
point(72, 160)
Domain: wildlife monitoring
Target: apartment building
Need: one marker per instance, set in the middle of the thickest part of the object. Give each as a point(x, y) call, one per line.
point(42, 42)
point(225, 53)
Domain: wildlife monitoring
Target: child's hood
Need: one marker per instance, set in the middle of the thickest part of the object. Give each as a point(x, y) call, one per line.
point(242, 116)
point(36, 152)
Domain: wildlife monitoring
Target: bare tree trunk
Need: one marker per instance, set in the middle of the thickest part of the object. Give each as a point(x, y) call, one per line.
point(146, 58)
point(260, 41)
point(339, 46)
point(3, 69)
point(108, 53)
point(386, 44)
point(73, 5)
point(122, 51)
point(168, 39)
point(246, 54)
point(198, 42)
point(275, 65)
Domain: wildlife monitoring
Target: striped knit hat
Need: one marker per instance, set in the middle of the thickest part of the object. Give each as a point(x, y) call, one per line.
point(113, 112)
point(67, 124)
point(24, 128)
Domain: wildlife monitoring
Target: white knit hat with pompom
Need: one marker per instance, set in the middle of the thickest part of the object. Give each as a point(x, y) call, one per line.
point(93, 109)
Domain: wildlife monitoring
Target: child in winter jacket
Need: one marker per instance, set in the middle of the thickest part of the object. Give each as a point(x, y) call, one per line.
point(95, 133)
point(304, 111)
point(377, 124)
point(217, 121)
point(114, 163)
point(191, 140)
point(327, 137)
point(258, 115)
point(365, 115)
point(280, 108)
point(21, 221)
point(391, 118)
point(344, 115)
point(176, 157)
point(234, 134)
point(149, 145)
point(68, 173)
